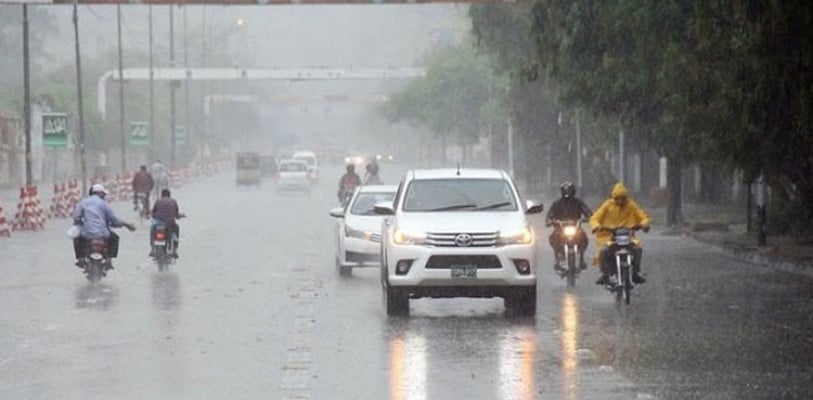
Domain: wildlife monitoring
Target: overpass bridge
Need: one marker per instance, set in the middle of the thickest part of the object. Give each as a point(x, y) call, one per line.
point(243, 74)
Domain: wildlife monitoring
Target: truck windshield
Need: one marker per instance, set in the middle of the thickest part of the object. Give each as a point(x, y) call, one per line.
point(466, 195)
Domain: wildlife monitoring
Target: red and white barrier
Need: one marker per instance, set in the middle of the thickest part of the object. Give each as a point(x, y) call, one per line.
point(5, 231)
point(57, 208)
point(73, 195)
point(66, 196)
point(124, 186)
point(29, 215)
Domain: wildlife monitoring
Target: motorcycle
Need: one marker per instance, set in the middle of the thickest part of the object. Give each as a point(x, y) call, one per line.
point(372, 179)
point(621, 249)
point(345, 196)
point(96, 262)
point(164, 243)
point(142, 206)
point(163, 246)
point(570, 251)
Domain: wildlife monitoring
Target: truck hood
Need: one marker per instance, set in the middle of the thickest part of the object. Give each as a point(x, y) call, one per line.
point(364, 223)
point(467, 221)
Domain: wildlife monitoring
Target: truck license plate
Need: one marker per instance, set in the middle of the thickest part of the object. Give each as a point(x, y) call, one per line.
point(464, 271)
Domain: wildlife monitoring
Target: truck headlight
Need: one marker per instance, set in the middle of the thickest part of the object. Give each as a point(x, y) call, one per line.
point(523, 236)
point(355, 233)
point(406, 237)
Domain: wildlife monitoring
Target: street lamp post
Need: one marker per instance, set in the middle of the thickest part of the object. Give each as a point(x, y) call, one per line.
point(26, 98)
point(121, 95)
point(79, 96)
point(172, 85)
point(152, 94)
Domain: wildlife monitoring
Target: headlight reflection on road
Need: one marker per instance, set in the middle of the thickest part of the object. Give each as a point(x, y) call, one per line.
point(408, 367)
point(517, 353)
point(570, 346)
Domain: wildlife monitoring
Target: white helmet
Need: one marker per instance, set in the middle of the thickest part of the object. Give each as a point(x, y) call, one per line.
point(98, 188)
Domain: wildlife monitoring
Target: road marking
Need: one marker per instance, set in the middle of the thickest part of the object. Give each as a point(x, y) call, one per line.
point(296, 375)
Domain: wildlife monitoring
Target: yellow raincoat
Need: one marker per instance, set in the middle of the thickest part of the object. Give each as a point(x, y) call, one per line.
point(611, 215)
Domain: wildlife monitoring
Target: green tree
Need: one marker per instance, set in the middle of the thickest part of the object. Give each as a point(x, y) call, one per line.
point(454, 99)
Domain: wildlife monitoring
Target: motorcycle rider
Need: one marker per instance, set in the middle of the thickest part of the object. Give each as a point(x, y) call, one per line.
point(371, 175)
point(94, 217)
point(619, 211)
point(567, 208)
point(160, 174)
point(165, 210)
point(348, 182)
point(142, 184)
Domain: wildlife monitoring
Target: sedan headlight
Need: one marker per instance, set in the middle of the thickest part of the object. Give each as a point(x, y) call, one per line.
point(523, 236)
point(355, 233)
point(401, 236)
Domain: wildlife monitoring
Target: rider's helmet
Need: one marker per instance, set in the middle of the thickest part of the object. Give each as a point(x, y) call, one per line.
point(568, 190)
point(98, 189)
point(351, 168)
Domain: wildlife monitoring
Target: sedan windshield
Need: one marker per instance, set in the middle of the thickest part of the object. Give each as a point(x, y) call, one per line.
point(364, 203)
point(432, 195)
point(293, 167)
point(306, 159)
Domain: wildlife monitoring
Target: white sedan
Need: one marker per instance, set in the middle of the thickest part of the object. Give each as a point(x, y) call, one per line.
point(358, 228)
point(293, 175)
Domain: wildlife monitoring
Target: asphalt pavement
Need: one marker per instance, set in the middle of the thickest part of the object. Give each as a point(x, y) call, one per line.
point(255, 309)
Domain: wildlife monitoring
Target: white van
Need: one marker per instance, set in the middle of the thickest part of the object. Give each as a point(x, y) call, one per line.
point(309, 158)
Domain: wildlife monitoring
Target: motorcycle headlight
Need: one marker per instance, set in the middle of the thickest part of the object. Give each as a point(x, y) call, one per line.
point(523, 236)
point(401, 236)
point(570, 231)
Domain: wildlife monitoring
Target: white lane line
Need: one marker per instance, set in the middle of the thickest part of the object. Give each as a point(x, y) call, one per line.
point(296, 377)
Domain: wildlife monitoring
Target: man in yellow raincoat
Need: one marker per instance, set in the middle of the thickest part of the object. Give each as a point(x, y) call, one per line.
point(619, 211)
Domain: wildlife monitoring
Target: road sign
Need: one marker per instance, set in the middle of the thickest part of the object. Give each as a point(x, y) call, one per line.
point(180, 135)
point(139, 134)
point(55, 130)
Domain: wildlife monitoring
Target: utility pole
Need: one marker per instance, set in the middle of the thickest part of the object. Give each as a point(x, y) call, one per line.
point(621, 155)
point(172, 84)
point(762, 211)
point(79, 96)
point(152, 95)
point(121, 96)
point(204, 117)
point(187, 128)
point(510, 147)
point(26, 98)
point(579, 178)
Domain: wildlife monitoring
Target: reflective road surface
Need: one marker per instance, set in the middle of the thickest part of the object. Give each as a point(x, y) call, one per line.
point(254, 309)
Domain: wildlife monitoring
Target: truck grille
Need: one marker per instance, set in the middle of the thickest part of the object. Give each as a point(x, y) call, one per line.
point(488, 239)
point(446, 262)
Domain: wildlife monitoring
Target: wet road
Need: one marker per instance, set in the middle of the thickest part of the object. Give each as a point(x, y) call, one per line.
point(254, 309)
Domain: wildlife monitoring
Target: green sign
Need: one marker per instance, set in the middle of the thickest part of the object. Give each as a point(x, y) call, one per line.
point(139, 134)
point(180, 135)
point(55, 130)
